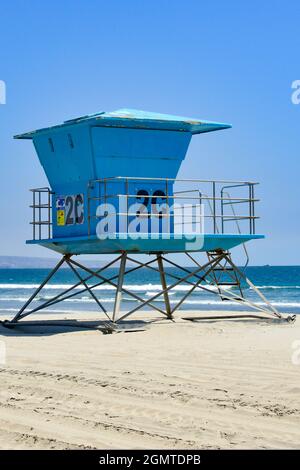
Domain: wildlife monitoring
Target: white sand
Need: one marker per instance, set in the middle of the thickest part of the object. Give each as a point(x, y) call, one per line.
point(177, 385)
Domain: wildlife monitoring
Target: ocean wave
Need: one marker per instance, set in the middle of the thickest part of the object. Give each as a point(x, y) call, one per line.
point(12, 310)
point(90, 300)
point(216, 302)
point(133, 287)
point(45, 299)
point(277, 287)
point(203, 303)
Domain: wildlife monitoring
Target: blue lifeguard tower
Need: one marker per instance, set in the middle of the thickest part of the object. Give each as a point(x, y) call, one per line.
point(114, 190)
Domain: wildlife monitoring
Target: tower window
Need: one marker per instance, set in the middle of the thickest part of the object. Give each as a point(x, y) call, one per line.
point(51, 145)
point(71, 143)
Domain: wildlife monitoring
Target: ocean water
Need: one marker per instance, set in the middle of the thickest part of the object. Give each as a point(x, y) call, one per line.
point(280, 284)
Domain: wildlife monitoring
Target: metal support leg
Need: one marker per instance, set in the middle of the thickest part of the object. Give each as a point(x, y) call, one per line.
point(169, 288)
point(164, 285)
point(20, 314)
point(268, 309)
point(118, 297)
point(260, 294)
point(126, 291)
point(88, 289)
point(63, 295)
point(199, 278)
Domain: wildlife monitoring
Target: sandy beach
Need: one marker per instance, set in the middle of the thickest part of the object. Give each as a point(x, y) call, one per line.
point(214, 384)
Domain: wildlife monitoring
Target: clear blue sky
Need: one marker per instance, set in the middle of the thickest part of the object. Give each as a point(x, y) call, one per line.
point(227, 61)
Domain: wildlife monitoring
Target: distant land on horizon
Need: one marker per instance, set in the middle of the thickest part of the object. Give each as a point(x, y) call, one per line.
point(24, 262)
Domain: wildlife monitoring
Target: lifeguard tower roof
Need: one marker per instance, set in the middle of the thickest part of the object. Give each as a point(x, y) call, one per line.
point(136, 119)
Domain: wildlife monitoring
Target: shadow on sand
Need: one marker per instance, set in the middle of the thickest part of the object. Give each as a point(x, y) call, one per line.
point(53, 327)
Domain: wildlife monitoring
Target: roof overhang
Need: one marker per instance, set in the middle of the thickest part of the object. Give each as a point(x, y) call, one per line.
point(132, 118)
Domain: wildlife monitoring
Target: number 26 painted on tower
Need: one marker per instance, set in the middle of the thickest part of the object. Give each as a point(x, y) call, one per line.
point(74, 209)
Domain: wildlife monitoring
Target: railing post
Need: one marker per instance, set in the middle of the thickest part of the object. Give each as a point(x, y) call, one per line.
point(40, 216)
point(49, 214)
point(250, 208)
point(253, 210)
point(89, 207)
point(222, 211)
point(202, 212)
point(168, 219)
point(33, 214)
point(127, 205)
point(214, 207)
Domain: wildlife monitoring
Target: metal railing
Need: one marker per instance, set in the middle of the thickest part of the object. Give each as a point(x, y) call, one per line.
point(213, 194)
point(224, 212)
point(41, 213)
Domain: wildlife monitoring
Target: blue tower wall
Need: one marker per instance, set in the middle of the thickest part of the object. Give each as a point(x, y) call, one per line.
point(138, 152)
point(73, 155)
